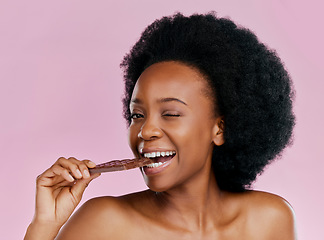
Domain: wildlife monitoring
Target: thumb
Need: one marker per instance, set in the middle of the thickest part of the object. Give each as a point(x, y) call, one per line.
point(80, 185)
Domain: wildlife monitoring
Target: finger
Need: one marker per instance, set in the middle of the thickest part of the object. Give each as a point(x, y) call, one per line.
point(75, 166)
point(64, 183)
point(63, 172)
point(75, 169)
point(84, 167)
point(89, 163)
point(54, 175)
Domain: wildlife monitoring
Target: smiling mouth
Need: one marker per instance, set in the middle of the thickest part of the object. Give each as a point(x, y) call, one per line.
point(159, 158)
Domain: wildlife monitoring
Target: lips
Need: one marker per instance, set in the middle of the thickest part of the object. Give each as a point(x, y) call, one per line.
point(161, 159)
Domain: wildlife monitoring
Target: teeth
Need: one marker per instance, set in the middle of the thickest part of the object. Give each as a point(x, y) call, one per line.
point(159, 154)
point(153, 165)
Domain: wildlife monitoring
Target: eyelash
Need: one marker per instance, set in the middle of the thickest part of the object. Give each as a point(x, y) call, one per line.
point(138, 115)
point(171, 115)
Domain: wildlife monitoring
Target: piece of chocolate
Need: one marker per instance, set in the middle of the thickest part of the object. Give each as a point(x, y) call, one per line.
point(120, 165)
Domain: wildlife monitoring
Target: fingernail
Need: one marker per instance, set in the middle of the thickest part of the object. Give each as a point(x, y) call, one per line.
point(71, 178)
point(78, 173)
point(86, 173)
point(92, 163)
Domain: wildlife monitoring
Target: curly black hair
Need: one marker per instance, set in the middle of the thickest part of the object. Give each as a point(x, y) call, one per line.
point(253, 91)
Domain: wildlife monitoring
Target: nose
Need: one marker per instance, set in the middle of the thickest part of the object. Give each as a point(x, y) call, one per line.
point(150, 130)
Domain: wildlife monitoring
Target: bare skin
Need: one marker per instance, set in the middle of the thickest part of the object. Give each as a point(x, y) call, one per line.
point(171, 111)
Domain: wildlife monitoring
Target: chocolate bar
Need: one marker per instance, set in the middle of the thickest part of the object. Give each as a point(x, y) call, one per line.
point(120, 165)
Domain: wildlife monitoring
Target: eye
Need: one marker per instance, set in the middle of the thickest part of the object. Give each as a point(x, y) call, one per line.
point(136, 115)
point(171, 114)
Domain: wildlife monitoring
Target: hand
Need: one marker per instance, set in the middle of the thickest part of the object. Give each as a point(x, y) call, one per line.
point(59, 190)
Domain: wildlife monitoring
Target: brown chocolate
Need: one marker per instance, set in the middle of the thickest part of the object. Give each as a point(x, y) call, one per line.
point(120, 165)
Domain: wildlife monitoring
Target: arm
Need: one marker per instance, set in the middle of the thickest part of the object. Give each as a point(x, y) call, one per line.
point(58, 191)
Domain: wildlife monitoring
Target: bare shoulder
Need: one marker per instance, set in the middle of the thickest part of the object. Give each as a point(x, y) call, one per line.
point(269, 215)
point(265, 199)
point(98, 218)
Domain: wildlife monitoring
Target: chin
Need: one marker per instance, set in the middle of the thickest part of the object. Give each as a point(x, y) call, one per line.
point(155, 188)
point(156, 185)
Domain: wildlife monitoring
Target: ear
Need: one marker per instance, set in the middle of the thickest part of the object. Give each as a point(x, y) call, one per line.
point(218, 136)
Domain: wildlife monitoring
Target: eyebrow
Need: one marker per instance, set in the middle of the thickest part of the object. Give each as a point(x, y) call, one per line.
point(161, 100)
point(171, 99)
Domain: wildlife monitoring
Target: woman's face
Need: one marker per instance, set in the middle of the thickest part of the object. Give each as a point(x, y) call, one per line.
point(173, 122)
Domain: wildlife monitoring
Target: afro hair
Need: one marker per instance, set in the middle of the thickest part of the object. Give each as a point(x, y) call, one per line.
point(252, 89)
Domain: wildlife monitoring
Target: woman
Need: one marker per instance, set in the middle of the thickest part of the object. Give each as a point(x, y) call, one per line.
point(212, 106)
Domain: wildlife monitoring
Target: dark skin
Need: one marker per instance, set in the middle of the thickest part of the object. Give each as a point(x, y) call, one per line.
point(171, 111)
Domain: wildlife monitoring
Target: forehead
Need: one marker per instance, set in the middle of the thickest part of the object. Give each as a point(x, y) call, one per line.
point(171, 79)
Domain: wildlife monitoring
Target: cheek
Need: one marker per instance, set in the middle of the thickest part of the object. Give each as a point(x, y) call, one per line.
point(132, 138)
point(193, 129)
point(195, 139)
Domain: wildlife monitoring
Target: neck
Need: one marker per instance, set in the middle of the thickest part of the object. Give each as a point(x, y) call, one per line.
point(194, 205)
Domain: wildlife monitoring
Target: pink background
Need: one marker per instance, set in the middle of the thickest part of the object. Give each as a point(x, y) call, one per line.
point(61, 86)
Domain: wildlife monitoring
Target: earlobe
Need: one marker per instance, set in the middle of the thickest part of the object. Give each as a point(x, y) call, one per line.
point(219, 132)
